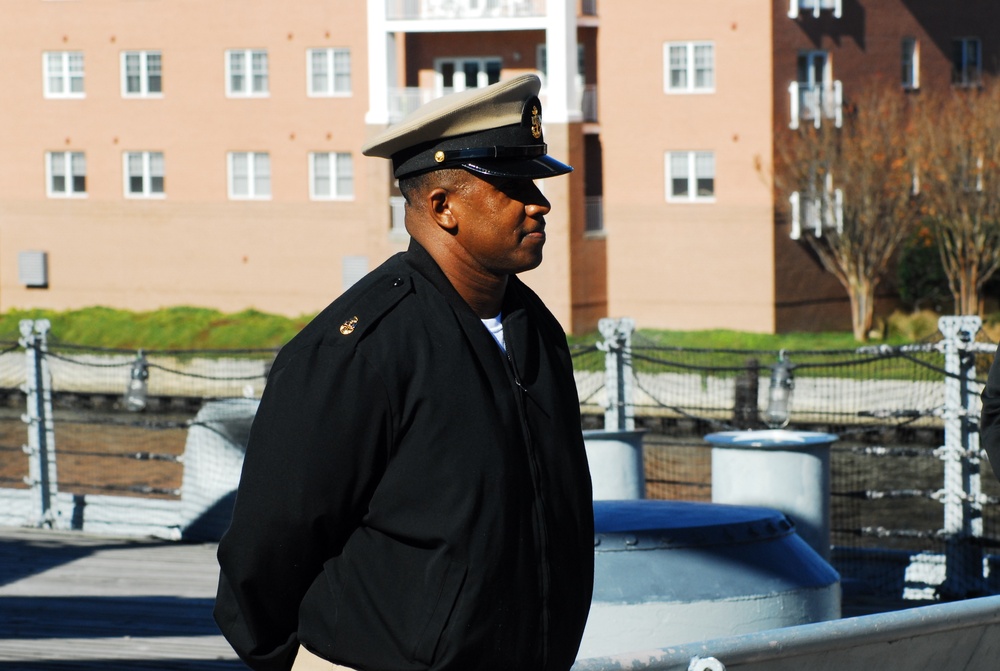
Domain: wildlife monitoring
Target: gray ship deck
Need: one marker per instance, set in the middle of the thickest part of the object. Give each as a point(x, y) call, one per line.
point(75, 602)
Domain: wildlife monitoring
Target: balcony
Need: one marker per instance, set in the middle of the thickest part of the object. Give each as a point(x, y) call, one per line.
point(404, 100)
point(814, 7)
point(816, 102)
point(594, 221)
point(819, 212)
point(420, 10)
point(588, 103)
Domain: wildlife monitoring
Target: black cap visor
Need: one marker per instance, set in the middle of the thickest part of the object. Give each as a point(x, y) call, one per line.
point(538, 167)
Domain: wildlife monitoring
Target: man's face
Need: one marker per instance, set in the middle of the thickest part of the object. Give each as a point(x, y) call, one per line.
point(502, 223)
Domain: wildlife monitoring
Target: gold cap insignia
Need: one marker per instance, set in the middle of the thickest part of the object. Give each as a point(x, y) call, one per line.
point(536, 123)
point(347, 328)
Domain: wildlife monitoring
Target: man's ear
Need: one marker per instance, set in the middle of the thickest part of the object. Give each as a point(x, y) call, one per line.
point(440, 202)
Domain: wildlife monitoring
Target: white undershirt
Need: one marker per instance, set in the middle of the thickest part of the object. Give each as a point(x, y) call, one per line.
point(495, 326)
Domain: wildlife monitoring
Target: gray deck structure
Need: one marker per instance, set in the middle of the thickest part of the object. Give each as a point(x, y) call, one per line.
point(78, 602)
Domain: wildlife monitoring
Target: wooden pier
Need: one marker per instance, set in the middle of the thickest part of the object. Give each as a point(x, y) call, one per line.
point(78, 602)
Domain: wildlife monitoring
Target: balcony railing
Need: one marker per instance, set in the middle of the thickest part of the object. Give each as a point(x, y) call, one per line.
point(588, 103)
point(815, 7)
point(404, 100)
point(594, 220)
point(417, 10)
point(817, 212)
point(815, 102)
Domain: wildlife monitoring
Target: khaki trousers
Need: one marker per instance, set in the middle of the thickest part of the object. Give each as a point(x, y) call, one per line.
point(306, 661)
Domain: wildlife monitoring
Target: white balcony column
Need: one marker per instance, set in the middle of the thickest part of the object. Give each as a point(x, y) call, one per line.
point(381, 64)
point(793, 98)
point(838, 101)
point(562, 100)
point(796, 216)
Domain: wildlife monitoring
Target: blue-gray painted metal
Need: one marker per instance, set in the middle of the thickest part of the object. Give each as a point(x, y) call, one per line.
point(791, 472)
point(681, 551)
point(616, 463)
point(960, 636)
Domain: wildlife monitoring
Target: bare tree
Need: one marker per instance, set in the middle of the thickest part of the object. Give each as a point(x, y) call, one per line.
point(959, 170)
point(851, 191)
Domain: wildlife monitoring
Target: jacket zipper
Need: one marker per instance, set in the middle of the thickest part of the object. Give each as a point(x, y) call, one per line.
point(539, 508)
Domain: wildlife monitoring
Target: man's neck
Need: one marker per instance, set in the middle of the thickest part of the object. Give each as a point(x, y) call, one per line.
point(481, 291)
point(484, 294)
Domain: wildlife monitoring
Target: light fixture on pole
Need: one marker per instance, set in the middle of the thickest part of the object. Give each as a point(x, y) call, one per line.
point(779, 394)
point(137, 391)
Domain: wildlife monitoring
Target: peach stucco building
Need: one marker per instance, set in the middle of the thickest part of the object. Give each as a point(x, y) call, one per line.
point(175, 152)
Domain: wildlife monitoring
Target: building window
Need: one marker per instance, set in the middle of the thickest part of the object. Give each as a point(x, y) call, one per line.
point(458, 74)
point(967, 61)
point(66, 174)
point(144, 174)
point(689, 67)
point(690, 176)
point(142, 73)
point(246, 73)
point(329, 72)
point(331, 176)
point(911, 63)
point(249, 175)
point(63, 74)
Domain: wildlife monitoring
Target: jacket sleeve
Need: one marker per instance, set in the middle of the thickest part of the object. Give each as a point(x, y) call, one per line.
point(317, 446)
point(989, 420)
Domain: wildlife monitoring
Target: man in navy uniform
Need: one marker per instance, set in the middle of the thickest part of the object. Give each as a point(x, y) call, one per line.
point(416, 493)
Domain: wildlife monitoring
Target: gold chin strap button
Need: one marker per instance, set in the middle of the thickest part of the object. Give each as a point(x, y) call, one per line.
point(347, 328)
point(439, 156)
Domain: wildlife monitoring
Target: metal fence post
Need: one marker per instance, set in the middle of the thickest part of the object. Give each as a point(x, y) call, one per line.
point(41, 434)
point(961, 496)
point(619, 412)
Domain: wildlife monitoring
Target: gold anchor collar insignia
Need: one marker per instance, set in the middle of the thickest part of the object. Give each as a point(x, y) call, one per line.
point(347, 328)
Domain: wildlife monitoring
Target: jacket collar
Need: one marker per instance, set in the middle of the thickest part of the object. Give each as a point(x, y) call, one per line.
point(516, 320)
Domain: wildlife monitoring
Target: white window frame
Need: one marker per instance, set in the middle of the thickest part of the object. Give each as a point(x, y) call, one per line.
point(66, 159)
point(910, 63)
point(148, 162)
point(251, 74)
point(397, 216)
point(256, 161)
point(690, 67)
point(331, 57)
point(146, 72)
point(691, 176)
point(68, 70)
point(336, 168)
point(977, 76)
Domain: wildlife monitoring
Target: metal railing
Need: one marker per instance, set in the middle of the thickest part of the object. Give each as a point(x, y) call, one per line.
point(911, 514)
point(422, 10)
point(816, 102)
point(919, 510)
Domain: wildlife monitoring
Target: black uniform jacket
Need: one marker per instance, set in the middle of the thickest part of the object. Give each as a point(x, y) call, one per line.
point(411, 498)
point(989, 421)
